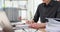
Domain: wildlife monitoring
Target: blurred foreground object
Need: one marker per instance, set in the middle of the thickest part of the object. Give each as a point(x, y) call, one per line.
point(58, 0)
point(4, 22)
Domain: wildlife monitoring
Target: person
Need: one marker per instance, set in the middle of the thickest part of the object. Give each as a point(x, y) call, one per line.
point(48, 9)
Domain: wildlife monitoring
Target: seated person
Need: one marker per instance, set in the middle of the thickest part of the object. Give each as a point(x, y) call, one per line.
point(49, 9)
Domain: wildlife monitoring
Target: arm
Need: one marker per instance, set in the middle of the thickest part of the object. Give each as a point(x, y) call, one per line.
point(35, 19)
point(38, 25)
point(58, 13)
point(37, 14)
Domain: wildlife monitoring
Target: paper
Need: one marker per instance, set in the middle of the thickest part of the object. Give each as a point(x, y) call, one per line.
point(22, 26)
point(19, 30)
point(53, 25)
point(54, 18)
point(26, 30)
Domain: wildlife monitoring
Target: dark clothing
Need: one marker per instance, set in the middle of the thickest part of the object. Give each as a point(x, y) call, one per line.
point(52, 10)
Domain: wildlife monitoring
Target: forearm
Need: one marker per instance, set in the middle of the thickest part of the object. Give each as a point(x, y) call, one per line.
point(42, 25)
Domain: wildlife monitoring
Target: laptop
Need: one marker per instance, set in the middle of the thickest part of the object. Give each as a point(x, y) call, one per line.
point(5, 23)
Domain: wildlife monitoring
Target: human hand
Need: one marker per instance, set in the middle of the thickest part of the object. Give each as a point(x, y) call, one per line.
point(29, 21)
point(37, 25)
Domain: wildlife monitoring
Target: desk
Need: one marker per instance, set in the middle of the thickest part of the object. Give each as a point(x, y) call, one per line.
point(39, 30)
point(21, 30)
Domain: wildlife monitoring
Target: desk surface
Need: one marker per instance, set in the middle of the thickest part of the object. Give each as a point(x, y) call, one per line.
point(39, 30)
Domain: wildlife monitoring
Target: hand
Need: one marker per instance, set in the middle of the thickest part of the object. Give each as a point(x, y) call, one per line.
point(30, 22)
point(37, 25)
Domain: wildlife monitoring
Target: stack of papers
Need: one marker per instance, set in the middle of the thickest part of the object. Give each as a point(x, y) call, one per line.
point(54, 18)
point(53, 25)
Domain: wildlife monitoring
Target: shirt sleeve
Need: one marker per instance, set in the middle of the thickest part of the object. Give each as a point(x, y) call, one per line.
point(43, 20)
point(36, 16)
point(58, 13)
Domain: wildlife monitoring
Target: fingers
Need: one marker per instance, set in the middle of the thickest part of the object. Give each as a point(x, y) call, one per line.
point(35, 26)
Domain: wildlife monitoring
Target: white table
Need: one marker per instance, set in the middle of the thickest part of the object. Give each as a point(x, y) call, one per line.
point(24, 28)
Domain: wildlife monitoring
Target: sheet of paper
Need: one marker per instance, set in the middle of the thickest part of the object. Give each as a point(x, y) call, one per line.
point(53, 25)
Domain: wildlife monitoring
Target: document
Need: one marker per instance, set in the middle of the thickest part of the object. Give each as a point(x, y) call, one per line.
point(53, 25)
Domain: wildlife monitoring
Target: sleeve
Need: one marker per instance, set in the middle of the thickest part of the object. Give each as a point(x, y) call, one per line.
point(36, 16)
point(43, 20)
point(58, 13)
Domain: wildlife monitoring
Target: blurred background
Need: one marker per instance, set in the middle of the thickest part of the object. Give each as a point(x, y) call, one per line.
point(19, 10)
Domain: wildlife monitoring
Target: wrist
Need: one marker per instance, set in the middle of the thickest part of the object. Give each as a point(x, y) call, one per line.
point(42, 25)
